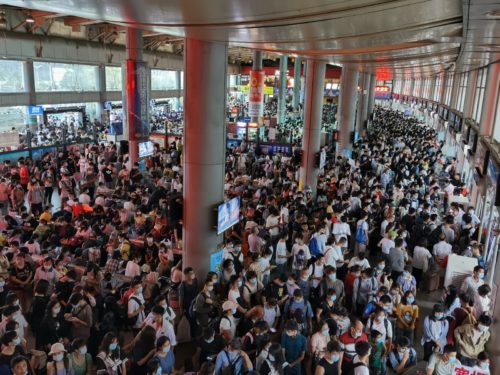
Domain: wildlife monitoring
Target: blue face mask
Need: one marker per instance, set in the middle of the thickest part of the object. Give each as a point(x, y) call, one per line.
point(439, 316)
point(380, 340)
point(333, 276)
point(452, 359)
point(484, 365)
point(335, 358)
point(113, 346)
point(333, 298)
point(410, 299)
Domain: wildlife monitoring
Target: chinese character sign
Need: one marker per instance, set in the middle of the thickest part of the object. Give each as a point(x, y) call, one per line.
point(464, 370)
point(256, 94)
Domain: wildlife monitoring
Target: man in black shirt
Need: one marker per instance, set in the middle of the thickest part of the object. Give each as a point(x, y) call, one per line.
point(208, 346)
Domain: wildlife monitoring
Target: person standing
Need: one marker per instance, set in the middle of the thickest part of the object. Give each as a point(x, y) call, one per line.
point(294, 345)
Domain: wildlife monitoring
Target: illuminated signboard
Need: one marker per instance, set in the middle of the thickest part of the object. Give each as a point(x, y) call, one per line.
point(382, 92)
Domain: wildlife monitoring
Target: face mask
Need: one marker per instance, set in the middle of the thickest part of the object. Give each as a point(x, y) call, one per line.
point(452, 359)
point(138, 290)
point(357, 334)
point(240, 284)
point(17, 341)
point(333, 298)
point(481, 276)
point(2, 283)
point(410, 299)
point(335, 358)
point(56, 311)
point(166, 349)
point(253, 281)
point(165, 307)
point(210, 288)
point(234, 311)
point(482, 328)
point(113, 346)
point(380, 340)
point(290, 334)
point(48, 268)
point(333, 276)
point(326, 332)
point(58, 357)
point(381, 267)
point(439, 316)
point(271, 358)
point(305, 278)
point(83, 350)
point(484, 365)
point(290, 282)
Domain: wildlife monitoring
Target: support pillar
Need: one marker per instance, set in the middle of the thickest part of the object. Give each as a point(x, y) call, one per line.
point(29, 87)
point(257, 68)
point(101, 87)
point(432, 88)
point(205, 67)
point(282, 92)
point(136, 94)
point(347, 107)
point(489, 110)
point(412, 87)
point(362, 111)
point(296, 82)
point(313, 105)
point(371, 94)
point(455, 90)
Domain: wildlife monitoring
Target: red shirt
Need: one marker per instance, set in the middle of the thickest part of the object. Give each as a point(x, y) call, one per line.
point(348, 344)
point(24, 175)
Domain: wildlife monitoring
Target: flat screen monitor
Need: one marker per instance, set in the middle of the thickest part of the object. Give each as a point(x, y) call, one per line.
point(228, 214)
point(146, 149)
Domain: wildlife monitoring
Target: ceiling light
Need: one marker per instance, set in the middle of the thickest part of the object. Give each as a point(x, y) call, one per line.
point(3, 20)
point(494, 14)
point(29, 18)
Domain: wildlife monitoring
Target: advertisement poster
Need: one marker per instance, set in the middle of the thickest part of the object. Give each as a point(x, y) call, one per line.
point(256, 94)
point(216, 260)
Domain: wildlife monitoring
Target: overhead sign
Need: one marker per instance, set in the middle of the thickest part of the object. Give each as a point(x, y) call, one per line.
point(382, 92)
point(35, 110)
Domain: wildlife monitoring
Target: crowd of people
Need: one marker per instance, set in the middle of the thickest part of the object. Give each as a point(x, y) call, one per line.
point(322, 283)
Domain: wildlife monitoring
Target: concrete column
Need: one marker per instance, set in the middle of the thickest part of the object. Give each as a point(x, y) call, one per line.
point(282, 92)
point(444, 82)
point(313, 105)
point(257, 66)
point(296, 82)
point(205, 67)
point(469, 94)
point(371, 94)
point(29, 87)
point(178, 87)
point(362, 110)
point(101, 87)
point(455, 90)
point(136, 93)
point(29, 80)
point(488, 110)
point(347, 106)
point(420, 88)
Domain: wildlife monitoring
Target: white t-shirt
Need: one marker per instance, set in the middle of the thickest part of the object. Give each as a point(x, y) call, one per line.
point(132, 269)
point(341, 230)
point(271, 314)
point(318, 272)
point(295, 250)
point(386, 244)
point(281, 250)
point(228, 323)
point(360, 370)
point(132, 306)
point(333, 256)
point(271, 221)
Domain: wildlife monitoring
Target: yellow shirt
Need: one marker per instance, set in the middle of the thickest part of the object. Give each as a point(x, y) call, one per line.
point(408, 314)
point(46, 216)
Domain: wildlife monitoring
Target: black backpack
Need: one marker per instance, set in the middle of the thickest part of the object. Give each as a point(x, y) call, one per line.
point(433, 238)
point(132, 320)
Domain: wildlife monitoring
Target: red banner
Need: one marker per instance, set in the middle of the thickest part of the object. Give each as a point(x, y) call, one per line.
point(256, 94)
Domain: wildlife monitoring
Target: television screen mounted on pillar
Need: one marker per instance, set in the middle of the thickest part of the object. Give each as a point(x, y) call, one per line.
point(228, 214)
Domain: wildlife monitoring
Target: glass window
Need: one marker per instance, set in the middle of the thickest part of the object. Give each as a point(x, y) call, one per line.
point(163, 79)
point(416, 88)
point(462, 90)
point(449, 86)
point(182, 80)
point(479, 94)
point(496, 130)
point(397, 87)
point(11, 76)
point(113, 78)
point(438, 90)
point(51, 76)
point(13, 117)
